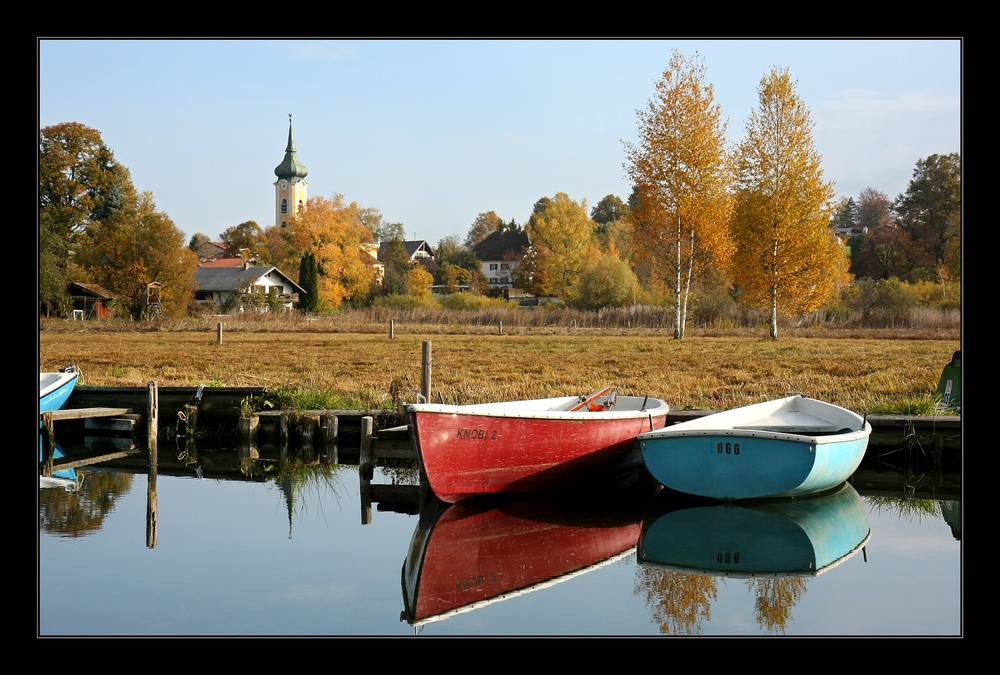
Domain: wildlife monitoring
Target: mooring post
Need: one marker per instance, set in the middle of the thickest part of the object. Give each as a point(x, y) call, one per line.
point(152, 432)
point(392, 328)
point(152, 419)
point(365, 461)
point(219, 330)
point(425, 372)
point(330, 438)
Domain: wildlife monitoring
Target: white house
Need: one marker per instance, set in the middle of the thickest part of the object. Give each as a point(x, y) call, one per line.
point(217, 285)
point(499, 255)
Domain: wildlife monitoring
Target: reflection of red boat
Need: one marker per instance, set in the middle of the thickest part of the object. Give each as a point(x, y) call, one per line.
point(471, 554)
point(526, 446)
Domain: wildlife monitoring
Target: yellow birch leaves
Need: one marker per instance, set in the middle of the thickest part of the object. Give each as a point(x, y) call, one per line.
point(787, 259)
point(680, 174)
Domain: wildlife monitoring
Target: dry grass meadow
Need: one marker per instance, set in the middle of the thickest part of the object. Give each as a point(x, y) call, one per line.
point(355, 364)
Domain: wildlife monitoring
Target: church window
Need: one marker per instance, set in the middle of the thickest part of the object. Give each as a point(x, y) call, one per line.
point(284, 206)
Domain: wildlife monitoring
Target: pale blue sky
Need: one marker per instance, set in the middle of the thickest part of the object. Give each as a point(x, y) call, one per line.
point(434, 132)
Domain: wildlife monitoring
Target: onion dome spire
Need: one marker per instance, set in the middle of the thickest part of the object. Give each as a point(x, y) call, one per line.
point(291, 169)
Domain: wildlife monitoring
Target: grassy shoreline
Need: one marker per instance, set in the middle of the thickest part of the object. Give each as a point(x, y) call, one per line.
point(888, 373)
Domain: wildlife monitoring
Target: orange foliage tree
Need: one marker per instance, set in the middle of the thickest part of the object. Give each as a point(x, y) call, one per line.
point(332, 231)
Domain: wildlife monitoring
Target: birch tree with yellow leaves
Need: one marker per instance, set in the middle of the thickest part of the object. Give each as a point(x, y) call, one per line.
point(681, 176)
point(787, 259)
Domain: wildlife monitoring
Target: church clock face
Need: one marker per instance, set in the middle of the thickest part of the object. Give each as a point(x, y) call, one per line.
point(284, 186)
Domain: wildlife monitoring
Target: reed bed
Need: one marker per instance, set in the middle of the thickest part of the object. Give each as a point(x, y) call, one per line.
point(924, 323)
point(893, 371)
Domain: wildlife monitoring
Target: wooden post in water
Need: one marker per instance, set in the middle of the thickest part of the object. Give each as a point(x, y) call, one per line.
point(219, 329)
point(152, 419)
point(392, 328)
point(330, 437)
point(366, 465)
point(152, 431)
point(425, 372)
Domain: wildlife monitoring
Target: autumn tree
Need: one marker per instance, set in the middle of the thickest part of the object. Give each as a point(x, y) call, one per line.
point(930, 210)
point(787, 259)
point(137, 245)
point(560, 233)
point(608, 210)
point(78, 178)
point(874, 209)
point(417, 282)
point(605, 281)
point(79, 182)
point(247, 235)
point(333, 231)
point(483, 226)
point(451, 251)
point(680, 172)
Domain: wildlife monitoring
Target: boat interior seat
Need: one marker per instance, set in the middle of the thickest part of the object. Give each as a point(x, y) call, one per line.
point(791, 422)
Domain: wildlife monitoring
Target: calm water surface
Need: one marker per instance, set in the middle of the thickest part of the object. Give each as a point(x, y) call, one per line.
point(291, 556)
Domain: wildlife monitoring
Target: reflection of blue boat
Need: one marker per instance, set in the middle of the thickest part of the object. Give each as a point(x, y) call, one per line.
point(54, 388)
point(787, 537)
point(64, 478)
point(786, 447)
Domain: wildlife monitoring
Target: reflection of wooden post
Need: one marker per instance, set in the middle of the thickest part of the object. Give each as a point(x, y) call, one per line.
point(366, 501)
point(50, 442)
point(151, 512)
point(425, 372)
point(219, 330)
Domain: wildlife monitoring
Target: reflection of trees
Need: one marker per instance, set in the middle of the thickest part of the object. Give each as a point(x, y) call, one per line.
point(680, 602)
point(75, 514)
point(774, 601)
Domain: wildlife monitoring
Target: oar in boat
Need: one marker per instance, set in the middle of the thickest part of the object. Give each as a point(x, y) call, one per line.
point(590, 398)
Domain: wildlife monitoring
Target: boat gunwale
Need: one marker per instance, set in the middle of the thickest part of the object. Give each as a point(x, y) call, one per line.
point(726, 432)
point(58, 381)
point(497, 410)
point(739, 423)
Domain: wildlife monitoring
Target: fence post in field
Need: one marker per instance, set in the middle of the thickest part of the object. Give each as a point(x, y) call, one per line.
point(392, 328)
point(425, 372)
point(219, 331)
point(501, 328)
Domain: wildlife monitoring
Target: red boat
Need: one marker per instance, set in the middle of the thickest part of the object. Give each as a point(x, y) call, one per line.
point(526, 446)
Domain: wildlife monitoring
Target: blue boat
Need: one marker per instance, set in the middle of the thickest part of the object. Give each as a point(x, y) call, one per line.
point(54, 388)
point(787, 447)
point(768, 538)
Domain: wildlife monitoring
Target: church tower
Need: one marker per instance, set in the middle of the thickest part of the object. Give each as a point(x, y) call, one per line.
point(290, 189)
